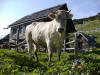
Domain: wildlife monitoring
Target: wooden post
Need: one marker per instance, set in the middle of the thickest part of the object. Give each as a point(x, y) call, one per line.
point(65, 41)
point(9, 45)
point(9, 42)
point(65, 44)
point(76, 46)
point(17, 37)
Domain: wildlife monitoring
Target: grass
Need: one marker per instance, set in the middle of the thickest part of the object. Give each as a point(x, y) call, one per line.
point(14, 63)
point(91, 25)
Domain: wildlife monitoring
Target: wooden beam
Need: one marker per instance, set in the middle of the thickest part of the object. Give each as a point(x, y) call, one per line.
point(66, 40)
point(84, 37)
point(69, 48)
point(70, 42)
point(17, 37)
point(76, 46)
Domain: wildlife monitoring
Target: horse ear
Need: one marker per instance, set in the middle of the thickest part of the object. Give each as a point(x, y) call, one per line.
point(51, 15)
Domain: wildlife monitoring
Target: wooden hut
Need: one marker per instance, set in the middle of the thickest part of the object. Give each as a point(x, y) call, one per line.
point(18, 27)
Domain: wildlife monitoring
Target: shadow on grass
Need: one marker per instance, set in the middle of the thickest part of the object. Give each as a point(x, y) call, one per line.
point(95, 52)
point(87, 56)
point(90, 56)
point(90, 59)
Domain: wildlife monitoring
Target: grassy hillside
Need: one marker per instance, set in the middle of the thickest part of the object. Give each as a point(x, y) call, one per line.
point(90, 26)
point(91, 18)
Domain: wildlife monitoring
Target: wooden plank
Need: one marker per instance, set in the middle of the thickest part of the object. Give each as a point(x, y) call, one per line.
point(76, 46)
point(84, 37)
point(17, 38)
point(69, 48)
point(66, 40)
point(70, 42)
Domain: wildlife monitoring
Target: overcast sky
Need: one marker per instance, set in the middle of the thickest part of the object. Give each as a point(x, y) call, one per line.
point(12, 10)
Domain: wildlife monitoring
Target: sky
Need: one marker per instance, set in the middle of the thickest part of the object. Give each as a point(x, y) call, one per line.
point(13, 10)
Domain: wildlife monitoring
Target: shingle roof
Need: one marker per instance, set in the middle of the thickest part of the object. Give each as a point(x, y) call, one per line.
point(38, 15)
